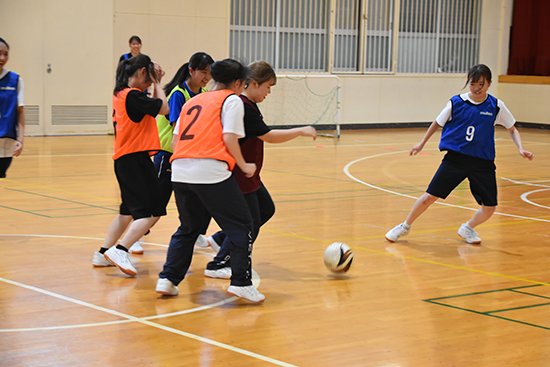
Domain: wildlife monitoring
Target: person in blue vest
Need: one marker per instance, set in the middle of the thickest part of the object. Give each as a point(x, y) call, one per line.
point(135, 48)
point(468, 122)
point(190, 80)
point(12, 115)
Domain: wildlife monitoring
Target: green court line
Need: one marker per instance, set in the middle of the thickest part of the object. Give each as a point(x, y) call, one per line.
point(25, 211)
point(489, 315)
point(530, 294)
point(483, 292)
point(517, 308)
point(55, 198)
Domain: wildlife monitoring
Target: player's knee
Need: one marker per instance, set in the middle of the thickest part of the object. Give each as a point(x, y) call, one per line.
point(427, 199)
point(489, 210)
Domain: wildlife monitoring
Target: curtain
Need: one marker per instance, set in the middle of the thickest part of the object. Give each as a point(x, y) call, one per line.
point(530, 38)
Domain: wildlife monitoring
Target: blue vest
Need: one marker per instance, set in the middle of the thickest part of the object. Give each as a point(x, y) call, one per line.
point(8, 105)
point(471, 130)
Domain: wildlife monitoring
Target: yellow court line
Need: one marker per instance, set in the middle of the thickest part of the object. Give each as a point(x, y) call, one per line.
point(413, 258)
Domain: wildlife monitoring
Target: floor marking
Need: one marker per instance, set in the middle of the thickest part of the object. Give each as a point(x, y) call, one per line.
point(526, 183)
point(143, 321)
point(347, 172)
point(255, 279)
point(525, 194)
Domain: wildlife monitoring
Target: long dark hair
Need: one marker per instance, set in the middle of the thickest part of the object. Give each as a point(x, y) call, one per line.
point(228, 71)
point(199, 61)
point(129, 67)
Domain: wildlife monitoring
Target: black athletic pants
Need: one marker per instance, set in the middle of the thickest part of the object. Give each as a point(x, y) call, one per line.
point(197, 204)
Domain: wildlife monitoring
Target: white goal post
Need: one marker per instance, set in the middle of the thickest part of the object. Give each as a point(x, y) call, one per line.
point(308, 99)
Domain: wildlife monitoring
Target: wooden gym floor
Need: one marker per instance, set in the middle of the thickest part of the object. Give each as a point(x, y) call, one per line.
point(428, 300)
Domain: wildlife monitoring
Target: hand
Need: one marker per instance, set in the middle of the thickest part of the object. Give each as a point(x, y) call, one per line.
point(18, 148)
point(527, 154)
point(309, 131)
point(416, 149)
point(157, 73)
point(248, 169)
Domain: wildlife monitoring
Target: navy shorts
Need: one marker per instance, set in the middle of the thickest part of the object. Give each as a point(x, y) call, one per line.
point(455, 168)
point(139, 186)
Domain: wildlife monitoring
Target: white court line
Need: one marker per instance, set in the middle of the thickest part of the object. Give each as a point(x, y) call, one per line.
point(526, 183)
point(525, 194)
point(129, 318)
point(347, 172)
point(143, 321)
point(255, 279)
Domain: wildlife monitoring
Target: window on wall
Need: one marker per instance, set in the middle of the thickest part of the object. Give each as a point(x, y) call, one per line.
point(346, 35)
point(438, 36)
point(359, 36)
point(379, 36)
point(290, 34)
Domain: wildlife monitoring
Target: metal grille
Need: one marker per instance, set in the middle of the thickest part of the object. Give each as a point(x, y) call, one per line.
point(289, 34)
point(433, 36)
point(32, 115)
point(438, 36)
point(379, 36)
point(79, 115)
point(346, 35)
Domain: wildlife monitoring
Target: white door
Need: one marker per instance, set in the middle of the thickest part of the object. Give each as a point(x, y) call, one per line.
point(77, 66)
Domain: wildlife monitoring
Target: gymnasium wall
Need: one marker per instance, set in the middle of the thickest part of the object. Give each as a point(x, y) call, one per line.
point(172, 30)
point(419, 98)
point(82, 40)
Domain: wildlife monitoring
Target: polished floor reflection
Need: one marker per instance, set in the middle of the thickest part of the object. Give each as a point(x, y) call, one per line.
point(426, 300)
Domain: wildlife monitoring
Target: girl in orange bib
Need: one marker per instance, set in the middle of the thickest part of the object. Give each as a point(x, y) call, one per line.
point(136, 138)
point(205, 152)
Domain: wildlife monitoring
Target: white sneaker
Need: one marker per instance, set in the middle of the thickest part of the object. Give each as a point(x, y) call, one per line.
point(121, 260)
point(136, 248)
point(201, 242)
point(213, 243)
point(98, 260)
point(468, 234)
point(166, 287)
point(399, 230)
point(249, 293)
point(223, 273)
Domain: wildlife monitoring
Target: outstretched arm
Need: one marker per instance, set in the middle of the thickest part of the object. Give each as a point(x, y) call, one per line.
point(418, 147)
point(284, 135)
point(516, 138)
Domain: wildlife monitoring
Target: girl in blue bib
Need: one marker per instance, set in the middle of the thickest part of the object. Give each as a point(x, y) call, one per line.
point(12, 116)
point(468, 122)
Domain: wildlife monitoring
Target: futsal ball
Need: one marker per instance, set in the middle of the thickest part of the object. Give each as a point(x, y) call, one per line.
point(338, 257)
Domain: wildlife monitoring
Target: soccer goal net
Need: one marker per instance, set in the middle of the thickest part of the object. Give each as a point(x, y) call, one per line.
point(299, 100)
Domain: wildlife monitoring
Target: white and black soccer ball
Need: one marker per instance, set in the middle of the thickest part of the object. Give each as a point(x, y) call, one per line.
point(338, 257)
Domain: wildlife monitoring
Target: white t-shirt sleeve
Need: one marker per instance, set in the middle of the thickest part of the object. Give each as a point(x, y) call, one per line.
point(504, 116)
point(20, 93)
point(177, 127)
point(233, 115)
point(444, 115)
